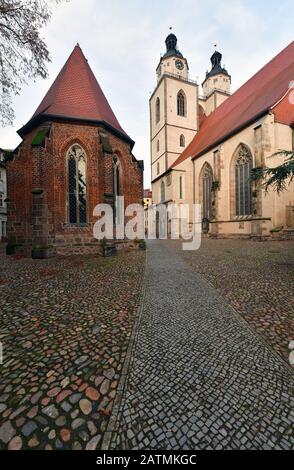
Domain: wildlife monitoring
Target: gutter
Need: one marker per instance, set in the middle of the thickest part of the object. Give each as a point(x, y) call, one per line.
point(232, 133)
point(48, 117)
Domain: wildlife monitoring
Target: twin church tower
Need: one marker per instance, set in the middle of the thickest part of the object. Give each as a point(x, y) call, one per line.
point(177, 110)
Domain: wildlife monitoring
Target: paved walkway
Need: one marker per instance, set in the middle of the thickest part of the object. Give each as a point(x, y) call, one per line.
point(199, 378)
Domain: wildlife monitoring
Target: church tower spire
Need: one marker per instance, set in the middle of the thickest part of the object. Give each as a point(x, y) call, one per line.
point(172, 62)
point(171, 46)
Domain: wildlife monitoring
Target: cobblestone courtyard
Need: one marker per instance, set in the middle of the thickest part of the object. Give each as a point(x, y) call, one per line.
point(255, 278)
point(64, 325)
point(198, 377)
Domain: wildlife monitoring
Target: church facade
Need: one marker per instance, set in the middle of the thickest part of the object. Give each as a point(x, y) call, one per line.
point(73, 156)
point(203, 147)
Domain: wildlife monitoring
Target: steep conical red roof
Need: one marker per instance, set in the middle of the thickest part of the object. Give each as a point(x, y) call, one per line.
point(76, 94)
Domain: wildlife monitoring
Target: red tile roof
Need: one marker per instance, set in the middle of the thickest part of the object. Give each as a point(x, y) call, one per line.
point(147, 193)
point(75, 93)
point(284, 109)
point(255, 98)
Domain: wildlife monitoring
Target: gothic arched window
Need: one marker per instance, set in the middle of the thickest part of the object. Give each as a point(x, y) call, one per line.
point(182, 140)
point(243, 190)
point(207, 180)
point(162, 192)
point(116, 176)
point(181, 187)
point(181, 104)
point(117, 190)
point(157, 110)
point(77, 196)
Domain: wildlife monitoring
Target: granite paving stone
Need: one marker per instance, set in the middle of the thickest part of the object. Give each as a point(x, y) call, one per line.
point(198, 371)
point(65, 325)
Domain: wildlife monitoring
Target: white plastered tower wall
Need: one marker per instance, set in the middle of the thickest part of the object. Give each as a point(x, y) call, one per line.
point(172, 132)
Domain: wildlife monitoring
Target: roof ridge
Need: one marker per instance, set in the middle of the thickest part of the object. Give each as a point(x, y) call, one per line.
point(246, 103)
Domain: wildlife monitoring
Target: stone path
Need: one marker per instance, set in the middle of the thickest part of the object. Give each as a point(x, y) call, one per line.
point(255, 278)
point(65, 325)
point(199, 377)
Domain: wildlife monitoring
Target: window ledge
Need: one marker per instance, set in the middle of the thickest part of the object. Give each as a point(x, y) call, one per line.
point(243, 217)
point(67, 225)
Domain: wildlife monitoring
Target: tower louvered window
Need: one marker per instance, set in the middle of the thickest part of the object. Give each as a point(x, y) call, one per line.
point(157, 110)
point(182, 140)
point(181, 104)
point(77, 195)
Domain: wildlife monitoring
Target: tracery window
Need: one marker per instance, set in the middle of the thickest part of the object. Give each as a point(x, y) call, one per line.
point(243, 189)
point(207, 179)
point(117, 190)
point(77, 189)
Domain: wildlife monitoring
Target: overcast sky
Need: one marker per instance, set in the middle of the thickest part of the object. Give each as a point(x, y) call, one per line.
point(123, 39)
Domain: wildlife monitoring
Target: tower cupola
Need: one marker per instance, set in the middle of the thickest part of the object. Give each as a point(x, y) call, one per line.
point(216, 65)
point(217, 79)
point(171, 46)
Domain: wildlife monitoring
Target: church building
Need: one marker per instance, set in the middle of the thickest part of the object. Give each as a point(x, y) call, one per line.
point(73, 156)
point(203, 146)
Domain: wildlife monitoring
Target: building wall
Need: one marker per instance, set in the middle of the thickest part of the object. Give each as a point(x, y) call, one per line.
point(168, 65)
point(263, 138)
point(3, 206)
point(165, 134)
point(220, 82)
point(214, 100)
point(37, 182)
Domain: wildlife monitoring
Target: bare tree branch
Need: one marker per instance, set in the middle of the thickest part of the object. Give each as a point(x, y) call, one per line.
point(23, 52)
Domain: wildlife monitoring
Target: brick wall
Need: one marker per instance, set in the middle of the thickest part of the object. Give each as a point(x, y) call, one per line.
point(44, 168)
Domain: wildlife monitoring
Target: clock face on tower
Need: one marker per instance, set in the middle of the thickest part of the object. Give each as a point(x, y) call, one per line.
point(179, 64)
